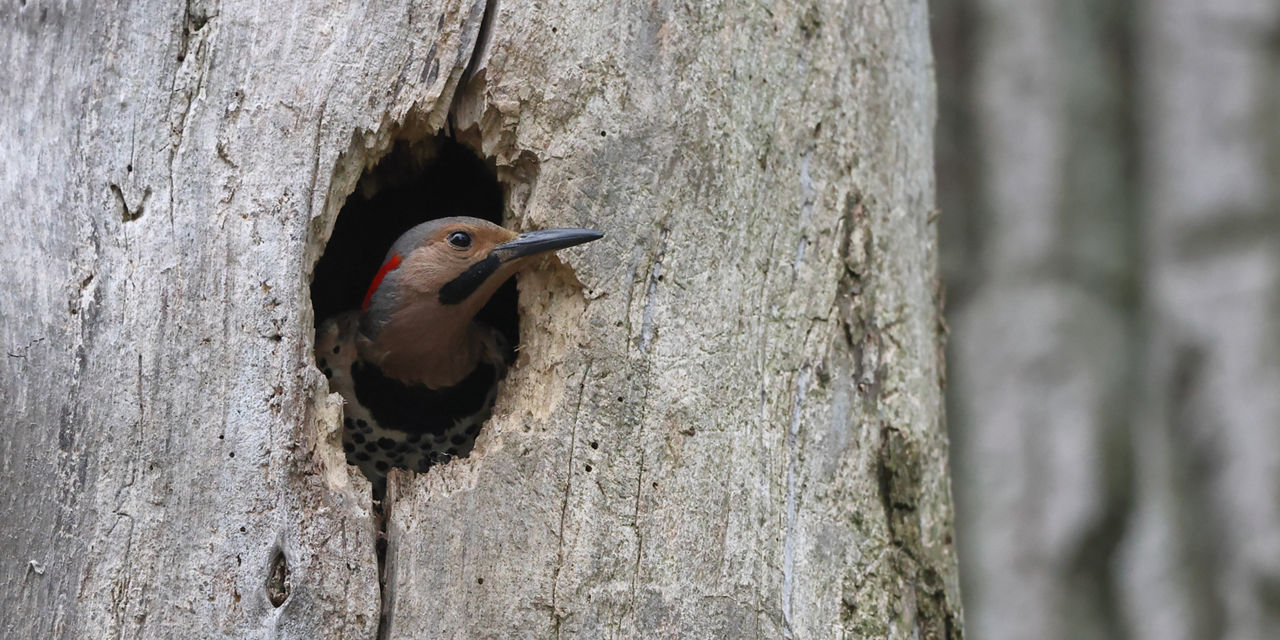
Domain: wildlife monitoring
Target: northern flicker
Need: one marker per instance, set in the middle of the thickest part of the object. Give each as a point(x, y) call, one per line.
point(416, 371)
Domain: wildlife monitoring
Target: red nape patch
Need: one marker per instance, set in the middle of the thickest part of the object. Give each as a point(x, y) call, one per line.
point(391, 264)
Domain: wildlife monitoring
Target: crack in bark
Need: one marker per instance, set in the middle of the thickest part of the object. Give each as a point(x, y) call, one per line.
point(644, 343)
point(635, 522)
point(647, 329)
point(193, 23)
point(26, 349)
point(381, 544)
point(564, 504)
point(480, 48)
point(793, 459)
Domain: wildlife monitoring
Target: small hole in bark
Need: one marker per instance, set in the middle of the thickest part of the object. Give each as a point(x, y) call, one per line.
point(595, 445)
point(479, 580)
point(278, 579)
point(587, 467)
point(416, 427)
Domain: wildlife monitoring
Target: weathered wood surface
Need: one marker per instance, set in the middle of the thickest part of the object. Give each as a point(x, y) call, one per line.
point(725, 420)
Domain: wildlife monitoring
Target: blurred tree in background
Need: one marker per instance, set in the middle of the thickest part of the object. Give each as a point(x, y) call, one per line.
point(1108, 176)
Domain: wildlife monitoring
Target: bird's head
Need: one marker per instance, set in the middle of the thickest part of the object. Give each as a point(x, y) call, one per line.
point(439, 274)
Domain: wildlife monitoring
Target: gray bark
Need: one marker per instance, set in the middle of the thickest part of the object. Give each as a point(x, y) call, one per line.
point(1204, 557)
point(1109, 175)
point(1038, 246)
point(725, 419)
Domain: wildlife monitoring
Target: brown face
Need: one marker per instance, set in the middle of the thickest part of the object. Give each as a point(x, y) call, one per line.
point(457, 249)
point(463, 260)
point(458, 263)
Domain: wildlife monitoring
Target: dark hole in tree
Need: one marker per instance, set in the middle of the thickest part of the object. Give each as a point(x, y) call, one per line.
point(413, 183)
point(278, 579)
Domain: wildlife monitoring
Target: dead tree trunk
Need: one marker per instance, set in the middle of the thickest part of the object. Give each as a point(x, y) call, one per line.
point(724, 420)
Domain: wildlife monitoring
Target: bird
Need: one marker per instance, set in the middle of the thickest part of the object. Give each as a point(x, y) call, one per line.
point(416, 371)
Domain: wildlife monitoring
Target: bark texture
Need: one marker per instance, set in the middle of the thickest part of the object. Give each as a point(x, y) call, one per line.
point(1109, 177)
point(725, 419)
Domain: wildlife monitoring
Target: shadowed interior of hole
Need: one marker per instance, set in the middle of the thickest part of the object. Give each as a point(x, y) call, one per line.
point(434, 178)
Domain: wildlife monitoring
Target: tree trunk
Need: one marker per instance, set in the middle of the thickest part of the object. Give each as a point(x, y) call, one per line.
point(1204, 557)
point(1108, 177)
point(725, 417)
point(1036, 191)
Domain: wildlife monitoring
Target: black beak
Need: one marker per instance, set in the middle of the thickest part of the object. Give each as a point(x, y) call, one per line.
point(535, 242)
point(526, 244)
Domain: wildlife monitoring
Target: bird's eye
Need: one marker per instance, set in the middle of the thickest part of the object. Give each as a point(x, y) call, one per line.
point(460, 239)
